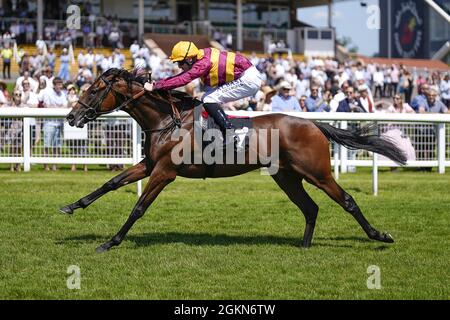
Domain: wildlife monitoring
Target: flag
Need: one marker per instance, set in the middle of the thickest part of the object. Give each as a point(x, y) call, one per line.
point(16, 52)
point(71, 54)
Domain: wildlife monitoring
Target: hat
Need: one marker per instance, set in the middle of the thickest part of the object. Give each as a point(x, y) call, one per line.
point(267, 90)
point(284, 85)
point(362, 88)
point(71, 86)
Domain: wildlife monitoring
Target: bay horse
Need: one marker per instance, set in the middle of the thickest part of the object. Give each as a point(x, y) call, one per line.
point(303, 150)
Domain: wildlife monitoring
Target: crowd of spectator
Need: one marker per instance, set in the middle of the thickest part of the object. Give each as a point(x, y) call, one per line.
point(313, 85)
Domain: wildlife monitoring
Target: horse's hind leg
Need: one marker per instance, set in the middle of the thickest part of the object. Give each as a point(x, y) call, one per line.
point(133, 174)
point(291, 183)
point(330, 186)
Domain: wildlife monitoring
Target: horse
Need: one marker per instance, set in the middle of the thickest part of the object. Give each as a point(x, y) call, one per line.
point(304, 152)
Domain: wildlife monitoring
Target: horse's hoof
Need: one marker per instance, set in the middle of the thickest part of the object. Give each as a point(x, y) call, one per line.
point(104, 247)
point(66, 210)
point(388, 238)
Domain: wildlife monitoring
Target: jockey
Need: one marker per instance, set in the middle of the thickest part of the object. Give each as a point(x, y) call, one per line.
point(228, 76)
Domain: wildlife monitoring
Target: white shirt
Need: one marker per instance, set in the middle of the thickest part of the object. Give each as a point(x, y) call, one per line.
point(54, 100)
point(106, 63)
point(2, 98)
point(33, 83)
point(334, 104)
point(134, 48)
point(378, 78)
point(30, 99)
point(445, 89)
point(81, 59)
point(301, 88)
point(40, 44)
point(89, 59)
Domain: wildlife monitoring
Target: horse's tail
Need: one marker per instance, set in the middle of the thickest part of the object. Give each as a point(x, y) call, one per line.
point(366, 137)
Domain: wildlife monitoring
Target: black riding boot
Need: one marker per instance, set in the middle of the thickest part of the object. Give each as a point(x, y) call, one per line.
point(220, 117)
point(215, 111)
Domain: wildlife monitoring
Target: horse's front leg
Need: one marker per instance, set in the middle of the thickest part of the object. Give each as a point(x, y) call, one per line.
point(133, 174)
point(161, 176)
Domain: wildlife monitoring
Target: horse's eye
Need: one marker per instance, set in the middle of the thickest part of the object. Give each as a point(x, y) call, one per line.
point(93, 92)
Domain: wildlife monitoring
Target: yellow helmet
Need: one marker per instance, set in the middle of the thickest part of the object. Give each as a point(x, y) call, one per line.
point(183, 50)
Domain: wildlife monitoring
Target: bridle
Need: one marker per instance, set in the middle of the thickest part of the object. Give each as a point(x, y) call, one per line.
point(93, 112)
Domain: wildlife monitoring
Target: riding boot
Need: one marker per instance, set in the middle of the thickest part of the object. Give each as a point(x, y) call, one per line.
point(220, 117)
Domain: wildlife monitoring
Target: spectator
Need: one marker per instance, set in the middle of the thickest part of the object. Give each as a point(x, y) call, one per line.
point(28, 98)
point(420, 99)
point(399, 106)
point(364, 99)
point(303, 103)
point(432, 104)
point(445, 90)
point(395, 79)
point(78, 146)
point(7, 55)
point(15, 132)
point(284, 102)
point(134, 48)
point(265, 102)
point(314, 103)
point(54, 98)
point(350, 103)
point(3, 94)
point(51, 59)
point(407, 86)
point(301, 86)
point(64, 70)
point(378, 80)
point(25, 76)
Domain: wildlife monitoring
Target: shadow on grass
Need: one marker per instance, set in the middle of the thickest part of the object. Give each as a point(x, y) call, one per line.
point(200, 239)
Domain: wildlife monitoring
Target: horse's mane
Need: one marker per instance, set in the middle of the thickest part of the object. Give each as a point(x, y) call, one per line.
point(185, 101)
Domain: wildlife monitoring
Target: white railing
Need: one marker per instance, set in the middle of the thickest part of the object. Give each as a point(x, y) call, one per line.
point(117, 139)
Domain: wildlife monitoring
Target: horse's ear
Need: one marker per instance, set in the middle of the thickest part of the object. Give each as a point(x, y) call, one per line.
point(149, 76)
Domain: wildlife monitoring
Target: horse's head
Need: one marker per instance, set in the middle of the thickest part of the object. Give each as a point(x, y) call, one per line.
point(107, 94)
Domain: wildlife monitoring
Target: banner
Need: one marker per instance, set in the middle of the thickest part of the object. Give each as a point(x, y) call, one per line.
point(408, 29)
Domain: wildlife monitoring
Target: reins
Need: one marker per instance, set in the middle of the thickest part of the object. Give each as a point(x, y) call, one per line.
point(93, 112)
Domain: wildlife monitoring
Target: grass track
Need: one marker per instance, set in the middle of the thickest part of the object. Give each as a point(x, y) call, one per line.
point(191, 245)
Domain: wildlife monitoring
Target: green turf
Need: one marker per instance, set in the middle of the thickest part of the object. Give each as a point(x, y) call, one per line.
point(190, 244)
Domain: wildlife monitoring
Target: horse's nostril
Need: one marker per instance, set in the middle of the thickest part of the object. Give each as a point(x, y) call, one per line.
point(70, 117)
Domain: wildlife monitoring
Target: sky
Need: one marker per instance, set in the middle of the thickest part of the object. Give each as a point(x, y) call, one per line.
point(349, 19)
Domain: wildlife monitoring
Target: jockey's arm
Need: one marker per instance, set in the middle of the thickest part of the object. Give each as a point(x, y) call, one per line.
point(199, 69)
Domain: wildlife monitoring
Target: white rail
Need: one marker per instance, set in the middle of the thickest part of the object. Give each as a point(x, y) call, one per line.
point(342, 160)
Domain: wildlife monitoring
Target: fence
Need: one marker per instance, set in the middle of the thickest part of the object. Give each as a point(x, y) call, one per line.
point(40, 136)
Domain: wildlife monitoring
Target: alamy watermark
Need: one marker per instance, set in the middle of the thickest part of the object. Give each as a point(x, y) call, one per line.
point(74, 279)
point(73, 20)
point(373, 21)
point(374, 280)
point(262, 149)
